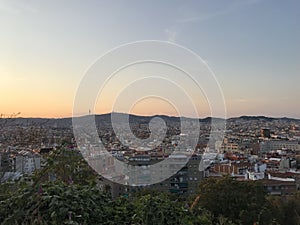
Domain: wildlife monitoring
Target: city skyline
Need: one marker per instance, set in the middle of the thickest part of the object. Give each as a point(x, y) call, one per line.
point(252, 46)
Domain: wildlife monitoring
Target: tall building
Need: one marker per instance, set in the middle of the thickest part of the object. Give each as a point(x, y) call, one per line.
point(265, 133)
point(184, 181)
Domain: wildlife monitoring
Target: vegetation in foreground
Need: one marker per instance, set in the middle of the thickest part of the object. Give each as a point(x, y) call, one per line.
point(74, 200)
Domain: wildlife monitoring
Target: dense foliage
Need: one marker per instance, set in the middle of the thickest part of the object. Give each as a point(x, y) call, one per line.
point(56, 203)
point(221, 201)
point(240, 201)
point(67, 166)
point(245, 202)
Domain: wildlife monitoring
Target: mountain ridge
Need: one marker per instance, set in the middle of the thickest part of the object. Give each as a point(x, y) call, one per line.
point(67, 121)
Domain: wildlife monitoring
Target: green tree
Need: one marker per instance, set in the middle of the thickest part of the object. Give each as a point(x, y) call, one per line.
point(239, 201)
point(156, 210)
point(68, 166)
point(57, 203)
point(282, 210)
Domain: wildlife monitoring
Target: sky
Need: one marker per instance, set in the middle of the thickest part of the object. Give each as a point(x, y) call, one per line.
point(252, 46)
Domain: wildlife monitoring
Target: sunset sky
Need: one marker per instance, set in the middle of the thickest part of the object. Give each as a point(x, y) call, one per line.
point(253, 47)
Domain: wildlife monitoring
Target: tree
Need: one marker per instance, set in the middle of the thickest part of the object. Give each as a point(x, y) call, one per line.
point(57, 203)
point(156, 210)
point(282, 211)
point(239, 201)
point(68, 166)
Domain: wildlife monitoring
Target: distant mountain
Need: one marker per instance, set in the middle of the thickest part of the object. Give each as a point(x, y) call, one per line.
point(62, 122)
point(262, 118)
point(67, 122)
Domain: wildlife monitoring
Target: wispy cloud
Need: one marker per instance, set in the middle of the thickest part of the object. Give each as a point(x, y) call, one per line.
point(171, 35)
point(16, 7)
point(172, 32)
point(241, 100)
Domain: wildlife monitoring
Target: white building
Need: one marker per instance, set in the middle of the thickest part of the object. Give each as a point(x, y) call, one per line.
point(27, 164)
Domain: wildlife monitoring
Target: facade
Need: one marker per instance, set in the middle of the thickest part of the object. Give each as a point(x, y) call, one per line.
point(185, 180)
point(230, 147)
point(6, 163)
point(279, 187)
point(27, 164)
point(265, 133)
point(268, 146)
point(232, 168)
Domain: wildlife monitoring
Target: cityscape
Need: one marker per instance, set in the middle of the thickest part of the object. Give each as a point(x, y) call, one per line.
point(149, 112)
point(254, 148)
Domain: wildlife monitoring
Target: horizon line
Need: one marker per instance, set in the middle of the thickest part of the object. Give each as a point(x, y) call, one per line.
point(153, 115)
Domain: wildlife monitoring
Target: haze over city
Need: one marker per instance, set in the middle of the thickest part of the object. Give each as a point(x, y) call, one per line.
point(252, 46)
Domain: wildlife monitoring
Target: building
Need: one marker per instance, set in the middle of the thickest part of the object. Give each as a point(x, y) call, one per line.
point(229, 147)
point(279, 187)
point(6, 163)
point(27, 164)
point(275, 145)
point(232, 168)
point(185, 180)
point(265, 133)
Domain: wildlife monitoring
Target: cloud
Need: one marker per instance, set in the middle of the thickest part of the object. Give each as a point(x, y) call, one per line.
point(16, 7)
point(241, 100)
point(171, 35)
